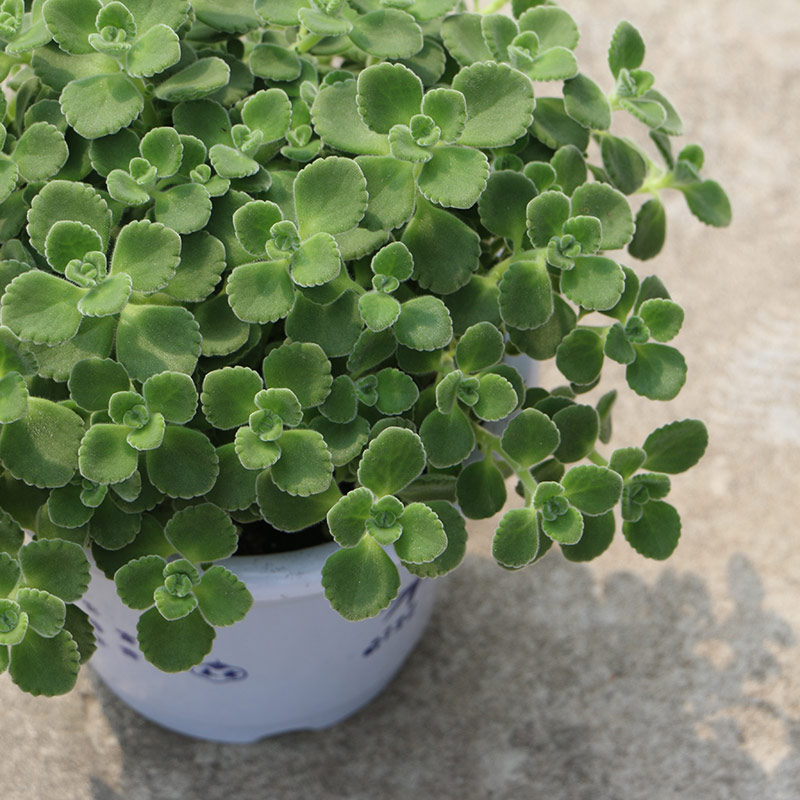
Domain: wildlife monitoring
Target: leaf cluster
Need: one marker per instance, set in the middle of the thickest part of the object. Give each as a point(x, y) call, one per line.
point(267, 261)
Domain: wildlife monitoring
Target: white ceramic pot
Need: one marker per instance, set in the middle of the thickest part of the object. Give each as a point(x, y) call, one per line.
point(292, 663)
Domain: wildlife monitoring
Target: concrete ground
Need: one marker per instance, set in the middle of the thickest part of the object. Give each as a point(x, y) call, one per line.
point(624, 679)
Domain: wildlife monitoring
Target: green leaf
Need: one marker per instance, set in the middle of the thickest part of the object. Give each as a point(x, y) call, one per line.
point(109, 297)
point(347, 519)
point(40, 152)
point(150, 435)
point(656, 533)
point(391, 191)
point(137, 581)
point(516, 540)
point(261, 292)
point(254, 453)
point(387, 95)
point(586, 103)
point(221, 330)
point(566, 528)
point(316, 261)
point(185, 208)
point(330, 195)
point(379, 311)
point(304, 467)
point(162, 147)
point(624, 163)
point(546, 215)
point(105, 455)
point(480, 346)
point(8, 178)
point(397, 391)
point(651, 230)
point(676, 447)
point(112, 528)
point(153, 339)
point(555, 128)
point(595, 282)
point(94, 338)
point(46, 612)
point(252, 223)
point(42, 447)
point(526, 295)
point(663, 318)
point(172, 394)
point(230, 163)
point(454, 176)
point(658, 372)
point(42, 308)
point(626, 50)
point(275, 63)
point(235, 488)
point(423, 538)
point(65, 509)
point(481, 489)
point(55, 566)
point(571, 171)
point(496, 397)
point(70, 22)
point(393, 459)
point(68, 240)
point(337, 121)
point(448, 109)
point(11, 534)
point(222, 597)
point(335, 327)
point(499, 104)
point(288, 513)
point(360, 581)
point(580, 356)
point(171, 607)
point(387, 33)
point(530, 437)
point(448, 438)
point(153, 52)
point(591, 489)
point(42, 666)
point(462, 34)
point(708, 202)
point(554, 64)
point(13, 397)
point(597, 535)
point(435, 238)
point(186, 465)
point(502, 204)
point(202, 533)
point(82, 631)
point(100, 105)
point(177, 645)
point(579, 427)
point(650, 112)
point(341, 405)
point(626, 460)
point(610, 207)
point(453, 554)
point(344, 441)
point(553, 26)
point(424, 324)
point(302, 367)
point(202, 263)
point(199, 79)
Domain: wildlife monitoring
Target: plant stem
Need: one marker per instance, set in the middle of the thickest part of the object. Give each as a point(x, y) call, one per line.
point(596, 458)
point(490, 444)
point(494, 6)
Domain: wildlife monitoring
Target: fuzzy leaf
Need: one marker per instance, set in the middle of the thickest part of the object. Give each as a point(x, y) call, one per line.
point(481, 490)
point(330, 195)
point(174, 645)
point(186, 464)
point(301, 367)
point(46, 612)
point(42, 308)
point(275, 63)
point(390, 186)
point(709, 203)
point(199, 79)
point(591, 489)
point(580, 356)
point(480, 346)
point(185, 208)
point(288, 513)
point(42, 447)
point(235, 488)
point(261, 292)
point(40, 152)
point(424, 324)
point(387, 33)
point(499, 104)
point(393, 459)
point(223, 599)
point(316, 261)
point(70, 22)
point(304, 467)
point(502, 204)
point(137, 581)
point(454, 176)
point(448, 438)
point(526, 295)
point(254, 453)
point(42, 666)
point(268, 111)
point(69, 239)
point(530, 437)
point(658, 372)
point(423, 537)
point(496, 397)
point(252, 223)
point(516, 540)
point(221, 330)
point(55, 566)
point(663, 318)
point(101, 105)
point(626, 50)
point(586, 103)
point(387, 95)
point(152, 339)
point(610, 207)
point(595, 282)
point(445, 250)
point(347, 519)
point(344, 441)
point(13, 397)
point(462, 34)
point(156, 50)
point(105, 455)
point(546, 215)
point(171, 394)
point(623, 163)
point(553, 26)
point(566, 528)
point(651, 230)
point(676, 447)
point(202, 533)
point(379, 311)
point(65, 509)
point(109, 297)
point(397, 391)
point(360, 581)
point(656, 533)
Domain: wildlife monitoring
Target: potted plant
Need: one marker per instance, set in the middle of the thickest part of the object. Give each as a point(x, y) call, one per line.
point(266, 272)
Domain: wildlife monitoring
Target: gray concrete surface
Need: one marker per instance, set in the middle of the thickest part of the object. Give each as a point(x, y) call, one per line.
point(624, 679)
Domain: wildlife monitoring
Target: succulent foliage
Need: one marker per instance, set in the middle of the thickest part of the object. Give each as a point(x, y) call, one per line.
point(266, 261)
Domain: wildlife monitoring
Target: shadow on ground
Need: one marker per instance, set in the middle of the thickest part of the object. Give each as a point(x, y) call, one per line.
point(550, 685)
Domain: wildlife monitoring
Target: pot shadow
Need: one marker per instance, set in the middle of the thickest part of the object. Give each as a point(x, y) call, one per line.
point(545, 684)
